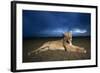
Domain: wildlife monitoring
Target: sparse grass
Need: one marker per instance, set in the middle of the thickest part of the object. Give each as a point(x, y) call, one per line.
point(34, 43)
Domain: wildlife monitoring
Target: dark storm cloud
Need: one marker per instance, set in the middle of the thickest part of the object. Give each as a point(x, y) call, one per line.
point(47, 23)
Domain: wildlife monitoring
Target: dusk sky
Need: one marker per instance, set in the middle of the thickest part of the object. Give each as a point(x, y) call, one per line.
point(54, 24)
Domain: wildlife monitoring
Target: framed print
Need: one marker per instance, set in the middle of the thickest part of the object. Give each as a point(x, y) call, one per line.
point(47, 36)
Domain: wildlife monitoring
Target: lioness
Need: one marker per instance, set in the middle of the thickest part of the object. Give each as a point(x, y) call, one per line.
point(64, 44)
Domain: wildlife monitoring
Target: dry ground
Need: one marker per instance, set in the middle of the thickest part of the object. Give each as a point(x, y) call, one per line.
point(34, 43)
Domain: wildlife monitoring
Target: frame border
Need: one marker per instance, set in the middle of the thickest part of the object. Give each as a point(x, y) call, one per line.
point(13, 35)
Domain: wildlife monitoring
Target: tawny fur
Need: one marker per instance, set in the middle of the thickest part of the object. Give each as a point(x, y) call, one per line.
point(64, 44)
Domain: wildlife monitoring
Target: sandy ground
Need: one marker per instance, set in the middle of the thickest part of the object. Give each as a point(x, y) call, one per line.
point(30, 44)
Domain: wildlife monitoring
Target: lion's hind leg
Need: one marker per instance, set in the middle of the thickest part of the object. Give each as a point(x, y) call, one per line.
point(41, 49)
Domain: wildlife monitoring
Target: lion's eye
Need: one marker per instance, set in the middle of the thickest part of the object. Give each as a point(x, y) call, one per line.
point(67, 42)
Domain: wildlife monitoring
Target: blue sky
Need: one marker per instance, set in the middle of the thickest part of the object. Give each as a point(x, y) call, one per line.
point(54, 24)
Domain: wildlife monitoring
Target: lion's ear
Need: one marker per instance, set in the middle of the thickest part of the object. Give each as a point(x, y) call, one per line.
point(66, 33)
point(70, 33)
